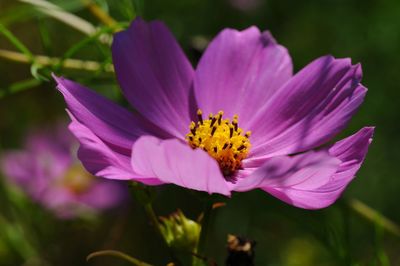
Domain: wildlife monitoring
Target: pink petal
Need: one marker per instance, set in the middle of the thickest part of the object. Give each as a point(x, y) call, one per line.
point(103, 160)
point(320, 188)
point(175, 162)
point(26, 170)
point(105, 194)
point(304, 171)
point(351, 151)
point(314, 106)
point(108, 121)
point(239, 73)
point(154, 74)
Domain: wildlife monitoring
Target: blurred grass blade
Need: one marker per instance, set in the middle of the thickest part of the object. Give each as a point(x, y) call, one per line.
point(62, 15)
point(14, 235)
point(98, 12)
point(17, 14)
point(69, 63)
point(118, 254)
point(374, 216)
point(128, 8)
point(20, 86)
point(35, 71)
point(45, 35)
point(83, 43)
point(381, 256)
point(139, 6)
point(17, 43)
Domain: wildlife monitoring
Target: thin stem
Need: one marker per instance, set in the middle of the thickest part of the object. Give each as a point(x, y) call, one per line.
point(69, 63)
point(117, 254)
point(148, 207)
point(99, 13)
point(205, 226)
point(374, 216)
point(19, 86)
point(17, 43)
point(58, 13)
point(145, 196)
point(345, 213)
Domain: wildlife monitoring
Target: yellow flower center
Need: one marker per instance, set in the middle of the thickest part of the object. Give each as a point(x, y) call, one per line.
point(220, 138)
point(77, 180)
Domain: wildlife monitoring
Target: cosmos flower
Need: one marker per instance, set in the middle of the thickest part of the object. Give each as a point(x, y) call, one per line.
point(47, 171)
point(240, 121)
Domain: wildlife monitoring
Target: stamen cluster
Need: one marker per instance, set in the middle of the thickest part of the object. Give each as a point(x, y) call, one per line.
point(222, 139)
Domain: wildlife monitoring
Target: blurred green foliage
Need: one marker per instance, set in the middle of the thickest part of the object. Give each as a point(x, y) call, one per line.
point(368, 31)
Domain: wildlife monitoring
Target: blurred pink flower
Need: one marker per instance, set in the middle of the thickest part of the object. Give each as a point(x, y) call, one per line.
point(48, 172)
point(243, 75)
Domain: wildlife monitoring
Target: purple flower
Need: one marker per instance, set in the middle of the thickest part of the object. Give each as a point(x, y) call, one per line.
point(47, 171)
point(265, 128)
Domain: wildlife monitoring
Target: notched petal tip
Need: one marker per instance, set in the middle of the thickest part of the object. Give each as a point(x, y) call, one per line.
point(61, 83)
point(57, 79)
point(139, 24)
point(267, 38)
point(316, 185)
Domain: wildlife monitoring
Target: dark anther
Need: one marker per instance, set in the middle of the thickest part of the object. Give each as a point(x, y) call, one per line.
point(241, 147)
point(219, 119)
point(225, 146)
point(199, 140)
point(193, 130)
point(190, 138)
point(200, 117)
point(230, 132)
point(235, 125)
point(213, 121)
point(215, 149)
point(213, 131)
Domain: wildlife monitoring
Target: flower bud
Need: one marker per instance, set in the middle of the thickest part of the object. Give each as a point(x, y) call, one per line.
point(179, 231)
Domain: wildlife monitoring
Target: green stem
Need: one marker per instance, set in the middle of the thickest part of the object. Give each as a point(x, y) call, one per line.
point(148, 207)
point(205, 226)
point(17, 43)
point(374, 216)
point(117, 254)
point(69, 63)
point(60, 14)
point(145, 196)
point(98, 12)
